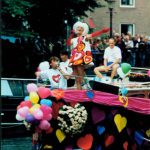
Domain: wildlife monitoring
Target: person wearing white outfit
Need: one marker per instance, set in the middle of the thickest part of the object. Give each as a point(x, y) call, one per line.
point(112, 59)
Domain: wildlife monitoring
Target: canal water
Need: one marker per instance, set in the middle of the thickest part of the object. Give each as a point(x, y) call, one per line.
point(19, 143)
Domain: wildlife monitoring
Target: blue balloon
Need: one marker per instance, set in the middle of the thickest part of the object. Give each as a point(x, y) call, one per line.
point(46, 102)
point(27, 98)
point(30, 118)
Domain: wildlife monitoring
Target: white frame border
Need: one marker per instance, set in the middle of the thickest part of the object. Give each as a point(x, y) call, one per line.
point(127, 6)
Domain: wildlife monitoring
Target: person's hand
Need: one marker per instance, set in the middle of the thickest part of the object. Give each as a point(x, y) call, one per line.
point(37, 74)
point(88, 36)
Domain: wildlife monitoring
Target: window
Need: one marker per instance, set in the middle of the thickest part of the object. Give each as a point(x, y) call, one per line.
point(127, 3)
point(125, 28)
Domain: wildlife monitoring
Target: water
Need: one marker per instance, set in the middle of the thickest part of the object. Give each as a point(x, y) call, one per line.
point(20, 143)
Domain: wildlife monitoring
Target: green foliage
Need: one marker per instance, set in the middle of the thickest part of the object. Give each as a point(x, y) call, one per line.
point(45, 17)
point(16, 7)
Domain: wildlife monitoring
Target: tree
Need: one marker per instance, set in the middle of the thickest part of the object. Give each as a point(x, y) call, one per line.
point(45, 17)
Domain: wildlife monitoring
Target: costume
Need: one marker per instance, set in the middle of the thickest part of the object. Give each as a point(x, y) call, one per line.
point(55, 77)
point(81, 52)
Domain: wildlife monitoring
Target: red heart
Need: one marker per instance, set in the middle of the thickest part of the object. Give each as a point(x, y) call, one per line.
point(56, 78)
point(55, 108)
point(44, 92)
point(109, 140)
point(85, 143)
point(87, 59)
point(125, 145)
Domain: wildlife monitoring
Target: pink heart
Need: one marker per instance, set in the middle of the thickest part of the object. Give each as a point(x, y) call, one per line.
point(44, 92)
point(97, 115)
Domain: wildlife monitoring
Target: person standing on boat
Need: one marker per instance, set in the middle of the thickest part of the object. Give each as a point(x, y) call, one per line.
point(112, 59)
point(57, 74)
point(64, 56)
point(81, 50)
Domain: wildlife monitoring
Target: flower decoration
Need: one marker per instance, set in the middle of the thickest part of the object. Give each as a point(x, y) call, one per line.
point(72, 120)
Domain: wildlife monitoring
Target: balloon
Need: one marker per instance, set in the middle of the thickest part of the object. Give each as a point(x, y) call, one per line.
point(19, 118)
point(27, 98)
point(46, 109)
point(148, 73)
point(32, 87)
point(34, 98)
point(125, 67)
point(46, 102)
point(26, 103)
point(38, 114)
point(30, 118)
point(44, 65)
point(36, 106)
point(44, 125)
point(23, 111)
point(44, 92)
point(120, 73)
point(47, 117)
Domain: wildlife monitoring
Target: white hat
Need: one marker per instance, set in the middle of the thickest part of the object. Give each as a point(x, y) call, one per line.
point(83, 25)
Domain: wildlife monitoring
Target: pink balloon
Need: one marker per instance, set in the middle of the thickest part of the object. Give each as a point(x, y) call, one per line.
point(46, 112)
point(32, 87)
point(38, 114)
point(44, 125)
point(19, 118)
point(46, 109)
point(23, 111)
point(44, 92)
point(47, 117)
point(148, 73)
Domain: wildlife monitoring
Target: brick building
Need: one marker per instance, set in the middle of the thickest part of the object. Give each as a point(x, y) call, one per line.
point(128, 15)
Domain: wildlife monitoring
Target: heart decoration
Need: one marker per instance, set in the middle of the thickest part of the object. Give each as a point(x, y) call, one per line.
point(87, 59)
point(98, 147)
point(60, 135)
point(109, 140)
point(86, 142)
point(138, 137)
point(58, 93)
point(77, 56)
point(100, 130)
point(125, 145)
point(56, 78)
point(148, 133)
point(97, 115)
point(90, 94)
point(120, 122)
point(44, 92)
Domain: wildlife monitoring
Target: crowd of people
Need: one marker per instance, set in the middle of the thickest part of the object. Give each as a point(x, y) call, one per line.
point(135, 50)
point(21, 59)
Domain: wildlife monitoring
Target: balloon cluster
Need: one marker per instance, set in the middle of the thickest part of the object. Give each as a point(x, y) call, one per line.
point(71, 120)
point(36, 108)
point(124, 70)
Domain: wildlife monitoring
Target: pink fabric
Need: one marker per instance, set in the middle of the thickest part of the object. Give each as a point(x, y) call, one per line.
point(140, 105)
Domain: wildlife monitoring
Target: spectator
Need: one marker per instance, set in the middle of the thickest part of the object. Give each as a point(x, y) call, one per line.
point(112, 59)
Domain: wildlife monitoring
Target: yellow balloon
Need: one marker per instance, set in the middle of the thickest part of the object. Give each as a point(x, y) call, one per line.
point(34, 98)
point(36, 106)
point(31, 110)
